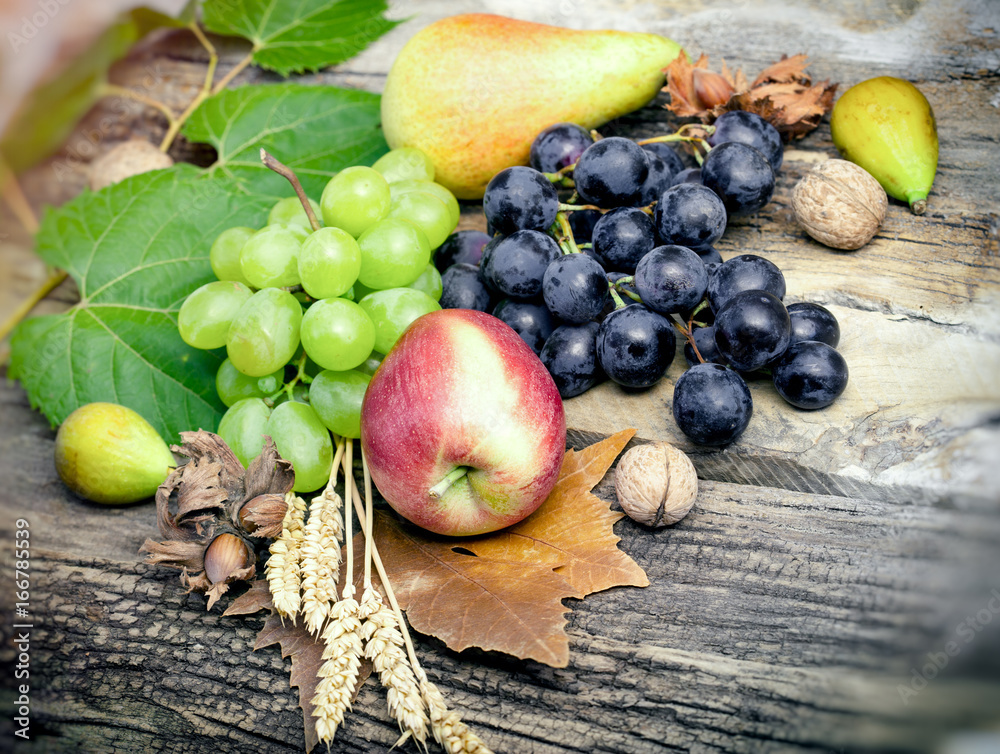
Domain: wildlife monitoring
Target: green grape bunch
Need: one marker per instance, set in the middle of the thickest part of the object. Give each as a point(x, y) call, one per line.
point(306, 310)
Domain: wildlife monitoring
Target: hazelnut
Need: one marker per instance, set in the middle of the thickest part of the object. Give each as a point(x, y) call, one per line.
point(656, 484)
point(125, 160)
point(839, 204)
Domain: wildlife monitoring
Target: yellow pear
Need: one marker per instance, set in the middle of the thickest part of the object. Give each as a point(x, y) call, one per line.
point(886, 126)
point(473, 90)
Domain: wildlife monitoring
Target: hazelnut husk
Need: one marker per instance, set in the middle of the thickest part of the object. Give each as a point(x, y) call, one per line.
point(840, 204)
point(656, 484)
point(210, 509)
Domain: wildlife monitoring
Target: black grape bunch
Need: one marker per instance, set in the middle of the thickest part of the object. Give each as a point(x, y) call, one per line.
point(602, 252)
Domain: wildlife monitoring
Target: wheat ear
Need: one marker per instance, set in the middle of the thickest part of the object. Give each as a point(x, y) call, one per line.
point(384, 646)
point(321, 551)
point(283, 568)
point(446, 725)
point(342, 636)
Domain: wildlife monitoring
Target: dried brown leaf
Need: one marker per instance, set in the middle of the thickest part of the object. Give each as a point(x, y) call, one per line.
point(504, 591)
point(782, 94)
point(253, 600)
point(580, 525)
point(786, 70)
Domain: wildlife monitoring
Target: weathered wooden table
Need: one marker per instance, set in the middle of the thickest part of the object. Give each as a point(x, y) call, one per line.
point(837, 585)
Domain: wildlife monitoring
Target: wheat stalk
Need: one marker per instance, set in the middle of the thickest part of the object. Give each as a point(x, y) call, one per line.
point(283, 571)
point(339, 671)
point(454, 735)
point(321, 551)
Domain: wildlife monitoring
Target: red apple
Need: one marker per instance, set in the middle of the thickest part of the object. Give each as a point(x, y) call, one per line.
point(462, 427)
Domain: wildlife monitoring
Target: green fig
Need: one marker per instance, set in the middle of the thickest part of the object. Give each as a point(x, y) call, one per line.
point(109, 454)
point(472, 91)
point(886, 126)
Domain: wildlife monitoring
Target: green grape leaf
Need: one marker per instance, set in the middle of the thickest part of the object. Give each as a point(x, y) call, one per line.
point(315, 130)
point(302, 36)
point(136, 250)
point(49, 113)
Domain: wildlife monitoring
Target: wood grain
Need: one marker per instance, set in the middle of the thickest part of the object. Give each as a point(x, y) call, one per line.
point(831, 559)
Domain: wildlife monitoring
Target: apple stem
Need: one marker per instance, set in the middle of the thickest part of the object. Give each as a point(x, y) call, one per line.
point(453, 476)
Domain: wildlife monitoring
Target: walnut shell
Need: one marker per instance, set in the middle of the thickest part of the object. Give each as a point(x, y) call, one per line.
point(656, 484)
point(125, 160)
point(839, 204)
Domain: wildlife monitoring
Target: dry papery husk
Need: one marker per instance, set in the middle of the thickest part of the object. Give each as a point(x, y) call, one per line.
point(840, 204)
point(212, 495)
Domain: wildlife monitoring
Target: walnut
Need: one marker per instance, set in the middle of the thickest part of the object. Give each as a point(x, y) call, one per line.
point(656, 484)
point(126, 159)
point(839, 204)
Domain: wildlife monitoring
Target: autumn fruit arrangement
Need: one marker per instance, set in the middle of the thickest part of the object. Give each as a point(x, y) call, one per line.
point(339, 304)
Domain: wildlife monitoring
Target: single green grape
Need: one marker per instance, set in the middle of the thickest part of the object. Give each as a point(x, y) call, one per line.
point(393, 311)
point(336, 397)
point(429, 187)
point(205, 316)
point(301, 438)
point(232, 385)
point(393, 253)
point(289, 211)
point(265, 332)
point(243, 428)
point(355, 199)
point(425, 211)
point(429, 282)
point(270, 257)
point(405, 163)
point(224, 256)
point(329, 263)
point(369, 365)
point(337, 333)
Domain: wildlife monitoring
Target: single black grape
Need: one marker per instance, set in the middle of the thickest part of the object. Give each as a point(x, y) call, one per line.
point(464, 246)
point(622, 237)
point(746, 272)
point(570, 355)
point(582, 222)
point(752, 130)
point(520, 198)
point(704, 338)
point(712, 404)
point(484, 265)
point(611, 172)
point(740, 175)
point(752, 329)
point(575, 288)
point(810, 374)
point(709, 256)
point(529, 319)
point(666, 153)
point(517, 263)
point(813, 322)
point(688, 175)
point(462, 288)
point(671, 279)
point(691, 215)
point(635, 345)
point(559, 146)
point(660, 178)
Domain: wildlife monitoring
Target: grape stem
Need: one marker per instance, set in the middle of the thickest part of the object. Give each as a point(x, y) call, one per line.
point(619, 287)
point(300, 376)
point(563, 207)
point(563, 233)
point(289, 174)
point(619, 304)
point(687, 330)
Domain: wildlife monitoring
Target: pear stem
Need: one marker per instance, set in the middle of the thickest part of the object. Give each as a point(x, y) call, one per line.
point(453, 476)
point(918, 207)
point(287, 173)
